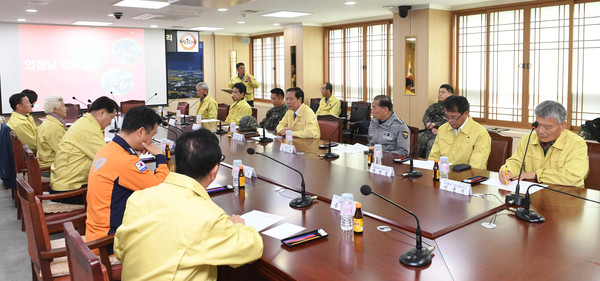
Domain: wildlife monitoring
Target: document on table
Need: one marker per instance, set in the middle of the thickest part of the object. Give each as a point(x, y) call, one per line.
point(283, 231)
point(351, 149)
point(267, 134)
point(209, 120)
point(422, 164)
point(260, 220)
point(512, 186)
point(214, 185)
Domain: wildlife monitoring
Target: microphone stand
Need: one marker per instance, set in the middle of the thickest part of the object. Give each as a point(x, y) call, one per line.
point(264, 136)
point(517, 198)
point(115, 129)
point(330, 155)
point(299, 202)
point(220, 131)
point(411, 172)
point(80, 114)
point(184, 123)
point(416, 257)
point(155, 94)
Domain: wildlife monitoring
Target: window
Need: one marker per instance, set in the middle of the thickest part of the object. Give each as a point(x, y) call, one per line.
point(267, 64)
point(359, 60)
point(510, 60)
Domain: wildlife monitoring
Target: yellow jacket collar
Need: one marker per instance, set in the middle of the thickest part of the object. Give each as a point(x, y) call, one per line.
point(186, 182)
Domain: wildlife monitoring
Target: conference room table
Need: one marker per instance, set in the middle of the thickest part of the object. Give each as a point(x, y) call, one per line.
point(565, 247)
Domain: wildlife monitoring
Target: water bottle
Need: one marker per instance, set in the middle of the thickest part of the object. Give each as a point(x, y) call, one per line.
point(347, 222)
point(159, 111)
point(198, 119)
point(444, 168)
point(288, 137)
point(178, 116)
point(232, 129)
point(235, 171)
point(378, 154)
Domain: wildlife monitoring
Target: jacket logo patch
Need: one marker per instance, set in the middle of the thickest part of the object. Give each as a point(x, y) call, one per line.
point(141, 166)
point(388, 136)
point(98, 162)
point(405, 134)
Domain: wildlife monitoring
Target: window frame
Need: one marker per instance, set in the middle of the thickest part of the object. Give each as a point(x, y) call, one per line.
point(275, 54)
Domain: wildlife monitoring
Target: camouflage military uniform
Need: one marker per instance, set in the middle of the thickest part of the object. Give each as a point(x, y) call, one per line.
point(434, 113)
point(274, 115)
point(392, 134)
point(248, 123)
point(590, 130)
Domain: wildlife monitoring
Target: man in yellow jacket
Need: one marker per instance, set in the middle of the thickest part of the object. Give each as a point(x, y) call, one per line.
point(78, 147)
point(300, 118)
point(21, 121)
point(240, 107)
point(51, 131)
point(207, 107)
point(174, 231)
point(248, 81)
point(555, 155)
point(462, 139)
point(329, 104)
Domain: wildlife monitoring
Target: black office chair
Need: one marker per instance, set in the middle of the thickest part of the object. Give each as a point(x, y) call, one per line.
point(358, 123)
point(314, 104)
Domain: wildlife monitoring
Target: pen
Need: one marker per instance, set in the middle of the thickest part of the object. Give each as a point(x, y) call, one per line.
point(302, 241)
point(300, 238)
point(506, 175)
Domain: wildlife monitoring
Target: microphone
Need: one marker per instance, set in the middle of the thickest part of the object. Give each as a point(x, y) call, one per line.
point(411, 172)
point(264, 136)
point(532, 216)
point(220, 131)
point(330, 155)
point(185, 123)
point(155, 94)
point(115, 128)
point(517, 199)
point(80, 114)
point(415, 257)
point(168, 128)
point(299, 202)
point(90, 101)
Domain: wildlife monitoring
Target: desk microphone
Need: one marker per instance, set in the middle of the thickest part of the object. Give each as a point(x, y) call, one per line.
point(517, 199)
point(264, 136)
point(299, 202)
point(80, 114)
point(115, 129)
point(155, 94)
point(416, 257)
point(220, 131)
point(411, 172)
point(330, 155)
point(532, 216)
point(185, 123)
point(168, 128)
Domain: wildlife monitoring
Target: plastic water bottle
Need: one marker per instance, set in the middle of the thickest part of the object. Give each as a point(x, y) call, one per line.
point(178, 116)
point(198, 119)
point(288, 137)
point(347, 222)
point(235, 171)
point(232, 129)
point(378, 154)
point(444, 168)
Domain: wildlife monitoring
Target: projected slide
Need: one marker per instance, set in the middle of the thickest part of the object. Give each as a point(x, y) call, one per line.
point(85, 62)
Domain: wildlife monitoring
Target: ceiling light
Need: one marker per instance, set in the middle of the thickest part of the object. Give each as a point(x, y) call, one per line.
point(142, 4)
point(276, 24)
point(286, 14)
point(222, 9)
point(92, 23)
point(241, 22)
point(31, 10)
point(154, 26)
point(37, 3)
point(411, 39)
point(21, 20)
point(349, 3)
point(207, 28)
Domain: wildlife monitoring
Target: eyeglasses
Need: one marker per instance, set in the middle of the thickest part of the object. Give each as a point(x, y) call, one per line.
point(453, 118)
point(222, 157)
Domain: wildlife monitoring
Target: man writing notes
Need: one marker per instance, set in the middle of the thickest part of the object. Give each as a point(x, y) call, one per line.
point(462, 139)
point(300, 118)
point(117, 172)
point(207, 107)
point(240, 107)
point(174, 231)
point(275, 114)
point(21, 121)
point(387, 129)
point(248, 81)
point(555, 154)
point(329, 104)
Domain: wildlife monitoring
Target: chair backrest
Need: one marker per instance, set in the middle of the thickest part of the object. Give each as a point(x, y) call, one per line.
point(73, 111)
point(414, 137)
point(34, 176)
point(184, 107)
point(343, 108)
point(314, 104)
point(501, 149)
point(19, 156)
point(222, 111)
point(328, 124)
point(255, 112)
point(38, 238)
point(127, 105)
point(593, 179)
point(360, 110)
point(84, 265)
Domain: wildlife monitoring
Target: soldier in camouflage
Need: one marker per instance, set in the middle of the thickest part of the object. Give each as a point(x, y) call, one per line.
point(387, 129)
point(275, 114)
point(433, 119)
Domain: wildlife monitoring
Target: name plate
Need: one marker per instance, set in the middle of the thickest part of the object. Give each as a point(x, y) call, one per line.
point(172, 122)
point(456, 187)
point(336, 203)
point(382, 170)
point(287, 148)
point(196, 127)
point(249, 172)
point(239, 137)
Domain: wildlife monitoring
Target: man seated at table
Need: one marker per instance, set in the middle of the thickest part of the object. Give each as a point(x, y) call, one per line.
point(433, 118)
point(78, 147)
point(276, 113)
point(555, 154)
point(21, 121)
point(329, 104)
point(174, 231)
point(117, 172)
point(32, 96)
point(462, 139)
point(387, 129)
point(207, 107)
point(51, 131)
point(240, 107)
point(300, 118)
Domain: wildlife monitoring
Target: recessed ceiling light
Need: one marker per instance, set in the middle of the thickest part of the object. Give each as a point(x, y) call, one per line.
point(241, 22)
point(207, 28)
point(349, 3)
point(37, 3)
point(154, 26)
point(92, 23)
point(142, 4)
point(21, 20)
point(31, 10)
point(286, 14)
point(222, 9)
point(276, 24)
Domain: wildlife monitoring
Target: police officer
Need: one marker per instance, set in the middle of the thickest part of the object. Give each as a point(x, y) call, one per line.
point(387, 129)
point(276, 113)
